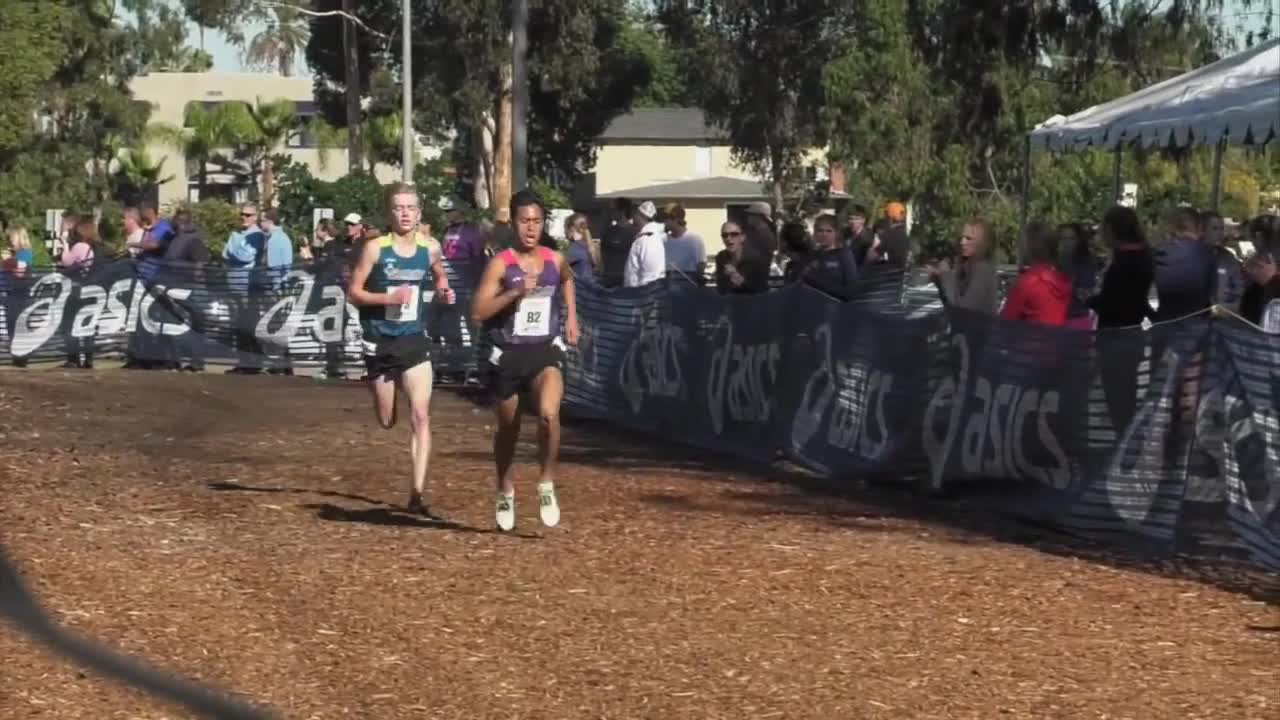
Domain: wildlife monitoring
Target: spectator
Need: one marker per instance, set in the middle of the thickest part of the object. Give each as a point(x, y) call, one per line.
point(1080, 264)
point(891, 244)
point(279, 262)
point(761, 233)
point(17, 263)
point(245, 250)
point(77, 260)
point(188, 243)
point(686, 252)
point(324, 245)
point(738, 270)
point(1264, 288)
point(354, 237)
point(1230, 274)
point(1124, 296)
point(647, 260)
point(831, 267)
point(188, 247)
point(22, 257)
point(972, 283)
point(615, 244)
point(463, 241)
point(158, 233)
point(580, 255)
point(1185, 268)
point(1042, 294)
point(858, 235)
point(1264, 233)
point(797, 250)
point(134, 233)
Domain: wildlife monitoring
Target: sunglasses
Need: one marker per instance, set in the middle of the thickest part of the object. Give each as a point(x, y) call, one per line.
point(248, 214)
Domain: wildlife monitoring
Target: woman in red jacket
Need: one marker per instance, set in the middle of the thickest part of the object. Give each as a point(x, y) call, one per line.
point(1042, 293)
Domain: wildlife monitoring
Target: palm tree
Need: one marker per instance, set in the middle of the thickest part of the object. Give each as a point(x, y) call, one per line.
point(285, 35)
point(257, 131)
point(204, 133)
point(137, 174)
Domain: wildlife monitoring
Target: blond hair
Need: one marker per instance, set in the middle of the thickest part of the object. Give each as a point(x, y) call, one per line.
point(18, 238)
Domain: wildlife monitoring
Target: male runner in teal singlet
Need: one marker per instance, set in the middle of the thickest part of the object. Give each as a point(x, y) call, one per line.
point(390, 287)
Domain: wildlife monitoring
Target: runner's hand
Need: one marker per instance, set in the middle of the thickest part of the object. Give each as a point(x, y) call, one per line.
point(401, 295)
point(530, 283)
point(571, 331)
point(446, 292)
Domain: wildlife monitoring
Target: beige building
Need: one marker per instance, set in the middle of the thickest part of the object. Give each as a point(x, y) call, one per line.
point(170, 94)
point(671, 155)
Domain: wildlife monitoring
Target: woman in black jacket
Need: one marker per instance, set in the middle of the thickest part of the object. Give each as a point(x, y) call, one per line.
point(1123, 302)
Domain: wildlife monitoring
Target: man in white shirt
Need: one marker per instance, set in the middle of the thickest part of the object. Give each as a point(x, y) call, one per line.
point(647, 260)
point(686, 253)
point(133, 231)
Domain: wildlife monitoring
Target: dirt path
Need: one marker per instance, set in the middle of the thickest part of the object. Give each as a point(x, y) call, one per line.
point(240, 531)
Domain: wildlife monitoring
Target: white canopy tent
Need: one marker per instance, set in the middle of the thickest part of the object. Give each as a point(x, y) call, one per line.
point(1234, 101)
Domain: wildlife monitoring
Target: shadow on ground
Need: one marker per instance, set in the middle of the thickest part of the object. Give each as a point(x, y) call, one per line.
point(974, 514)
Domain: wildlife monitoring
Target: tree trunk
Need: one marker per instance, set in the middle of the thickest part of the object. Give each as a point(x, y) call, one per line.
point(268, 183)
point(502, 156)
point(482, 143)
point(355, 139)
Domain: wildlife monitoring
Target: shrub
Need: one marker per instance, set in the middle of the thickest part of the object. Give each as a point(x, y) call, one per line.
point(216, 219)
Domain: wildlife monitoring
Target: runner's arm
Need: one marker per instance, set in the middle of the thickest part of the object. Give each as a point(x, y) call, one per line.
point(490, 299)
point(355, 290)
point(437, 272)
point(569, 289)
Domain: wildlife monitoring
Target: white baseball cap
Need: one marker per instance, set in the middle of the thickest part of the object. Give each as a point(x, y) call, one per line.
point(648, 209)
point(352, 219)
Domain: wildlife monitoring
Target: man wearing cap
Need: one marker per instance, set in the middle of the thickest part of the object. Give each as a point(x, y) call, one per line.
point(647, 259)
point(462, 240)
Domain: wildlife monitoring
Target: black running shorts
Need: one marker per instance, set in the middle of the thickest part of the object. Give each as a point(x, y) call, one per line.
point(392, 356)
point(518, 365)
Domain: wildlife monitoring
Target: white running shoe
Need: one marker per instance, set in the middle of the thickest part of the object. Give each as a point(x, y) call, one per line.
point(548, 504)
point(506, 512)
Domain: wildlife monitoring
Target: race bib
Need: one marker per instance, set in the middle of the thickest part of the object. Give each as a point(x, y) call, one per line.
point(407, 312)
point(533, 317)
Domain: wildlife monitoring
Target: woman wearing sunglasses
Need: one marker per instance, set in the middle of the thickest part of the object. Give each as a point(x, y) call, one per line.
point(739, 270)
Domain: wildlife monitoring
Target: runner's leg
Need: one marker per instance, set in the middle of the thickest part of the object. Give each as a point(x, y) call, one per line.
point(505, 437)
point(417, 382)
point(383, 390)
point(547, 390)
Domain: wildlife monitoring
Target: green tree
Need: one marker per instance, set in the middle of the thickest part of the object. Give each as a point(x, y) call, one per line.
point(284, 35)
point(138, 175)
point(221, 15)
point(580, 78)
point(157, 39)
point(756, 70)
point(257, 131)
point(666, 85)
point(30, 33)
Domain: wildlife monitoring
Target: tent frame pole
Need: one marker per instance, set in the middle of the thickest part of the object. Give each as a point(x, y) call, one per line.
point(1116, 186)
point(1026, 195)
point(1218, 152)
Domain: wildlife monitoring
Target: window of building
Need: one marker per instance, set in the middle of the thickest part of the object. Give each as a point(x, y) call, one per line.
point(702, 162)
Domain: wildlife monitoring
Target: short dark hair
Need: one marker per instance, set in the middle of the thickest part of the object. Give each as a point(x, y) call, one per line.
point(1185, 218)
point(858, 209)
point(273, 215)
point(624, 206)
point(525, 198)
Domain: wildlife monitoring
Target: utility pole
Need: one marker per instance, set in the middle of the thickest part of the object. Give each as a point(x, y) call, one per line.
point(519, 94)
point(350, 51)
point(406, 111)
